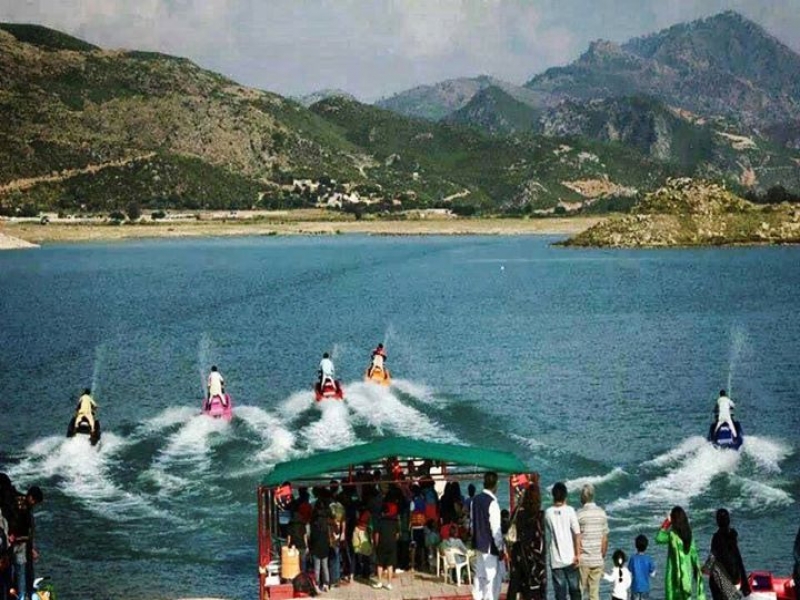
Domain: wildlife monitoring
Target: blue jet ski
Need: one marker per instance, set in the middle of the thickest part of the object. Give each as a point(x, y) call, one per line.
point(723, 437)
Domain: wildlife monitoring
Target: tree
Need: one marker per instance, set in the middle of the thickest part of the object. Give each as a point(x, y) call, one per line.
point(133, 210)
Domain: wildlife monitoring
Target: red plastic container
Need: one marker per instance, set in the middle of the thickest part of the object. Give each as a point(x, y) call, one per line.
point(284, 591)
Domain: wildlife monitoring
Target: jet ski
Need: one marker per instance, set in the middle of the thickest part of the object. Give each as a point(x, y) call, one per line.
point(766, 586)
point(215, 407)
point(379, 375)
point(723, 438)
point(82, 427)
point(330, 389)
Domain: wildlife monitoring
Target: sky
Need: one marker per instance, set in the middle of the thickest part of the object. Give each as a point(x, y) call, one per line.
point(375, 48)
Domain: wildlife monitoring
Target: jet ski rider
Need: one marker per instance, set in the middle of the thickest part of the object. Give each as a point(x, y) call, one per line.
point(378, 358)
point(724, 406)
point(326, 370)
point(86, 408)
point(216, 386)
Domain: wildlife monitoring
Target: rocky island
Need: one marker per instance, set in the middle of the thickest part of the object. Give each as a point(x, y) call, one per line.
point(686, 212)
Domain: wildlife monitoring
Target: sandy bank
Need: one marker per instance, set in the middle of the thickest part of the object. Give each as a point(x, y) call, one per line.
point(88, 232)
point(8, 242)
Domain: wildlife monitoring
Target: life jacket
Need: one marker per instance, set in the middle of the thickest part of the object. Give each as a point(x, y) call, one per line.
point(395, 468)
point(283, 496)
point(418, 518)
point(431, 504)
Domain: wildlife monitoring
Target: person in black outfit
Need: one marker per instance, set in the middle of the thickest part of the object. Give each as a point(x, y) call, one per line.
point(386, 544)
point(725, 548)
point(8, 507)
point(319, 539)
point(528, 554)
point(23, 530)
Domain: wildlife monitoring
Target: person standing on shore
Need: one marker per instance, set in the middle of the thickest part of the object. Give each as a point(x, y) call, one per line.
point(23, 538)
point(528, 560)
point(487, 539)
point(593, 523)
point(725, 550)
point(642, 569)
point(683, 573)
point(561, 524)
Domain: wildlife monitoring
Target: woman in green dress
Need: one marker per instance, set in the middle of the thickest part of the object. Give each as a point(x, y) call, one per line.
point(683, 571)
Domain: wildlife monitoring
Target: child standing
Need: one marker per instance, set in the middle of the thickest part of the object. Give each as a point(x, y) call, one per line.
point(642, 569)
point(620, 576)
point(432, 540)
point(362, 546)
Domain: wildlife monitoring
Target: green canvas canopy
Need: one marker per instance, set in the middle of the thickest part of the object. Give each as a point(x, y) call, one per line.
point(327, 463)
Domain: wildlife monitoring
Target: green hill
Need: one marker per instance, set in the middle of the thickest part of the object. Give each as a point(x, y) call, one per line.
point(513, 173)
point(86, 129)
point(497, 112)
point(45, 38)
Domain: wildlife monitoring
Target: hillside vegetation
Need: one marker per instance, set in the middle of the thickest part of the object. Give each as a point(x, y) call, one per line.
point(694, 213)
point(89, 130)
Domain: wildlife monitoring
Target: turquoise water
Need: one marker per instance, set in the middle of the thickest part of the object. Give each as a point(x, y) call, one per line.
point(591, 365)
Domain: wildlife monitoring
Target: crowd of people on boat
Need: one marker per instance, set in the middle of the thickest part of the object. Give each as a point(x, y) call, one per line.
point(370, 529)
point(18, 549)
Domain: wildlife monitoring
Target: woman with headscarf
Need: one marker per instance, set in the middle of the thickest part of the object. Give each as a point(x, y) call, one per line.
point(683, 572)
point(727, 560)
point(528, 556)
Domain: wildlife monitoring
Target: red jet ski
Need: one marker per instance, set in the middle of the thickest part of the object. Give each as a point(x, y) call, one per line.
point(330, 389)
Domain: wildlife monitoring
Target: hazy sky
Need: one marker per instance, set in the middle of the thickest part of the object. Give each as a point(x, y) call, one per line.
point(374, 48)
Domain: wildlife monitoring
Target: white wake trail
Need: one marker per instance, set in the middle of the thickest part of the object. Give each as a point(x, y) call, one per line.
point(378, 407)
point(766, 453)
point(595, 480)
point(333, 430)
point(690, 478)
point(418, 391)
point(277, 441)
point(83, 473)
point(187, 453)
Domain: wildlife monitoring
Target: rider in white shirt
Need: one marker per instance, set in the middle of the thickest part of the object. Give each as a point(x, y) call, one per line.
point(724, 406)
point(326, 370)
point(216, 386)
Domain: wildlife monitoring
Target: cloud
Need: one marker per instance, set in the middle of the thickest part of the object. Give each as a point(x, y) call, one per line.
point(182, 27)
point(376, 47)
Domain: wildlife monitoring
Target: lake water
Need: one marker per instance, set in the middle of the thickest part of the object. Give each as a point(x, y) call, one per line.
point(591, 365)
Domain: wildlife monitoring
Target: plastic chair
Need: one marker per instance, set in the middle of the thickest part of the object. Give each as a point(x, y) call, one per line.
point(453, 558)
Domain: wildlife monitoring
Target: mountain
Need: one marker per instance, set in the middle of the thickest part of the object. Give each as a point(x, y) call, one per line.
point(637, 121)
point(315, 97)
point(90, 130)
point(450, 163)
point(87, 127)
point(434, 102)
point(724, 65)
point(497, 112)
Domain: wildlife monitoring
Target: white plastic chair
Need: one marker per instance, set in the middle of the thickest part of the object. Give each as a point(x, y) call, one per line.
point(453, 558)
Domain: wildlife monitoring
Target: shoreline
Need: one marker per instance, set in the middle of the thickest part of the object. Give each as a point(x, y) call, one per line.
point(20, 234)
